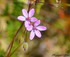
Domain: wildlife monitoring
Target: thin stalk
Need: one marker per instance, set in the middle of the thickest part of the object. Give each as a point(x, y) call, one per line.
point(16, 49)
point(14, 38)
point(21, 43)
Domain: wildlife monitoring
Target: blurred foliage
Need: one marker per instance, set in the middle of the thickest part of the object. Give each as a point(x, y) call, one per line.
point(55, 40)
point(2, 53)
point(17, 10)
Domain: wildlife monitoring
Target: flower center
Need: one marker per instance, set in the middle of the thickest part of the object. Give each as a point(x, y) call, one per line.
point(28, 18)
point(34, 28)
point(32, 23)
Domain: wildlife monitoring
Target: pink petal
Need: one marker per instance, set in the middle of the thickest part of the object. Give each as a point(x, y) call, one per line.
point(32, 34)
point(37, 23)
point(38, 33)
point(33, 19)
point(27, 23)
point(29, 28)
point(25, 13)
point(31, 12)
point(21, 18)
point(41, 28)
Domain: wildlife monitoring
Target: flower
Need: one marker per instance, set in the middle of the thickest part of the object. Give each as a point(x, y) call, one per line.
point(35, 29)
point(31, 23)
point(27, 16)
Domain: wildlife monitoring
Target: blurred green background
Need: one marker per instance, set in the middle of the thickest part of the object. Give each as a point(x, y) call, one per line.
point(55, 40)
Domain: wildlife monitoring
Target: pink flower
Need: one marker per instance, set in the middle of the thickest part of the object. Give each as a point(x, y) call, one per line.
point(31, 23)
point(35, 29)
point(27, 16)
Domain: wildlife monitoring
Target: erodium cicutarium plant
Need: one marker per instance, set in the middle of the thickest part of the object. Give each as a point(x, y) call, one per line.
point(32, 24)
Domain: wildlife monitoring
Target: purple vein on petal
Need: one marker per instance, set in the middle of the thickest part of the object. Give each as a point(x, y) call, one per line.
point(26, 23)
point(33, 19)
point(38, 33)
point(37, 23)
point(41, 28)
point(29, 28)
point(31, 12)
point(32, 34)
point(21, 18)
point(25, 13)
